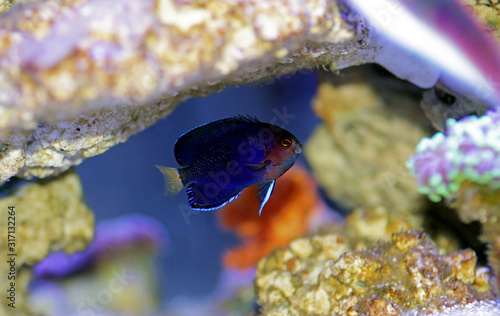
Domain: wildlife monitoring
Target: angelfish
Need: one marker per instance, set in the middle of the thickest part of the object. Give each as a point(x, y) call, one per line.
point(221, 158)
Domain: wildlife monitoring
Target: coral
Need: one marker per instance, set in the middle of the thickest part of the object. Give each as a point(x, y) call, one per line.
point(125, 231)
point(4, 6)
point(462, 165)
point(140, 50)
point(358, 154)
point(318, 275)
point(487, 11)
point(366, 226)
point(233, 295)
point(50, 216)
point(74, 86)
point(441, 103)
point(290, 212)
point(115, 275)
point(52, 149)
point(481, 203)
point(81, 76)
point(468, 150)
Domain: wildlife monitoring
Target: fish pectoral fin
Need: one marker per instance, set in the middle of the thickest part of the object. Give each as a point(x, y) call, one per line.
point(265, 190)
point(258, 166)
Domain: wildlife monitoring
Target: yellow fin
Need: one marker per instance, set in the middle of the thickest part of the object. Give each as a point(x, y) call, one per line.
point(173, 182)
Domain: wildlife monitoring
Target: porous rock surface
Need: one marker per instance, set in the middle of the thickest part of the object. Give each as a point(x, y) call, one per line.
point(320, 275)
point(48, 217)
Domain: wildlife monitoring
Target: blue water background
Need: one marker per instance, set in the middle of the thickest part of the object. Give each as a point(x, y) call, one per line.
point(125, 180)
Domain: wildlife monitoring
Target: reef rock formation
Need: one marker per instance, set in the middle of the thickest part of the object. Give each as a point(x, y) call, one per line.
point(487, 11)
point(319, 275)
point(441, 103)
point(480, 203)
point(483, 308)
point(462, 166)
point(370, 128)
point(49, 216)
point(78, 77)
point(119, 262)
point(293, 210)
point(81, 76)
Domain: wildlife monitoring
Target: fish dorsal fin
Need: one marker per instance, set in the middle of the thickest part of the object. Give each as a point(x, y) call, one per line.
point(265, 190)
point(191, 143)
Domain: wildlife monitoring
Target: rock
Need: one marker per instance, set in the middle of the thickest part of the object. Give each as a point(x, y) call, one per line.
point(320, 275)
point(78, 77)
point(49, 216)
point(293, 210)
point(73, 86)
point(441, 103)
point(483, 308)
point(369, 131)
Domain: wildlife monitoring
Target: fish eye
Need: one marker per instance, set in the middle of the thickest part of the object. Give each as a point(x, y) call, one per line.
point(286, 142)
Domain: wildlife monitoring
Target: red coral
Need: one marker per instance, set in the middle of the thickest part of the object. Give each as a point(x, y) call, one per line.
point(288, 214)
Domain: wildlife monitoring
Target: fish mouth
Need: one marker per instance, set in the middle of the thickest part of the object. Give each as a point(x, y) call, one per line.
point(298, 150)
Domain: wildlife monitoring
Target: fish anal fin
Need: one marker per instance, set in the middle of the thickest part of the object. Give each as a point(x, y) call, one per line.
point(201, 198)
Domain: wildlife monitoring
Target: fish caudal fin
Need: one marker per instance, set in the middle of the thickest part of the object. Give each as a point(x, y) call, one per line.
point(173, 181)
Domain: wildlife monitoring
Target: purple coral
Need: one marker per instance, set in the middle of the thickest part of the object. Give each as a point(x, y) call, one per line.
point(468, 150)
point(125, 230)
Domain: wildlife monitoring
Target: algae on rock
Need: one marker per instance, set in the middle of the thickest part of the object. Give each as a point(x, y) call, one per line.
point(49, 216)
point(319, 275)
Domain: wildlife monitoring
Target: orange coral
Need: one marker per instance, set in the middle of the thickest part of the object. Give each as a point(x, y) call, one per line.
point(288, 214)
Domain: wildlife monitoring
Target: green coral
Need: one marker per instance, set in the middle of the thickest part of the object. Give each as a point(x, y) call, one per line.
point(468, 150)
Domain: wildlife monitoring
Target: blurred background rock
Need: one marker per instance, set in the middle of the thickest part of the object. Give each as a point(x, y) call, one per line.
point(359, 127)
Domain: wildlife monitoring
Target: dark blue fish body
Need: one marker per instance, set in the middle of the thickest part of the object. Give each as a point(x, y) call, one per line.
point(222, 158)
